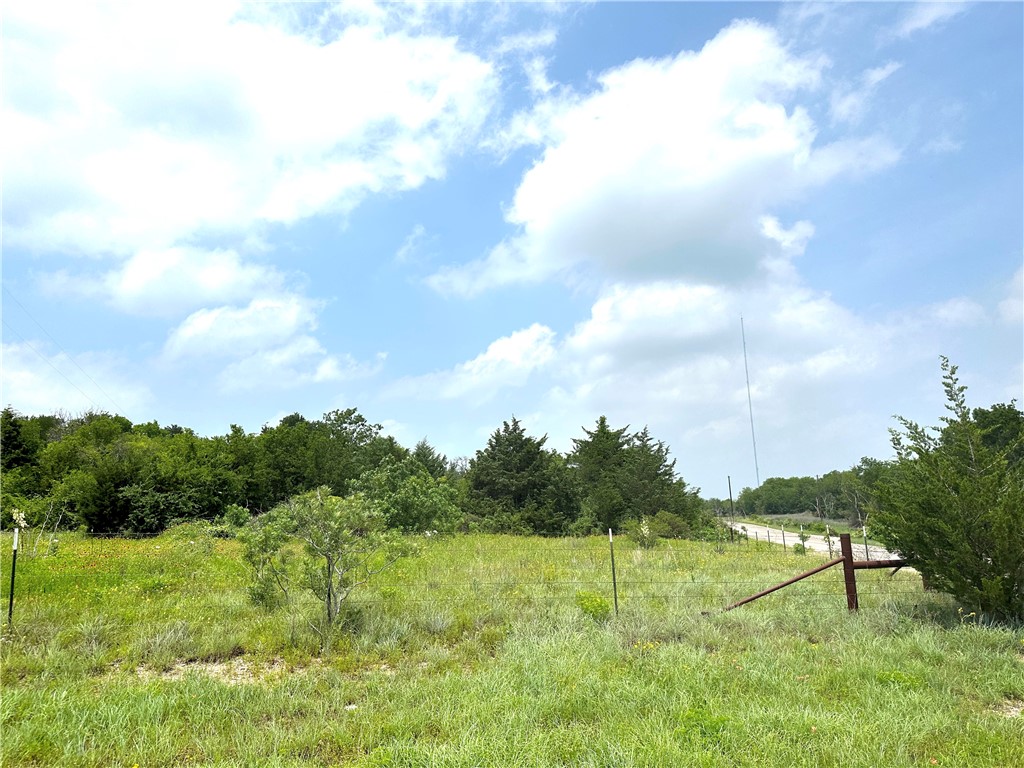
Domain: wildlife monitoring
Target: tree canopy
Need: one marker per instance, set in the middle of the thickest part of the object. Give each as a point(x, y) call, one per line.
point(953, 504)
point(107, 475)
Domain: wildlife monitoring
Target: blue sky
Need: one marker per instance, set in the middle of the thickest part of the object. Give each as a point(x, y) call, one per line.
point(446, 215)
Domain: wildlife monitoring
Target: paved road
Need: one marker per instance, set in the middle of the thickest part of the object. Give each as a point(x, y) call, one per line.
point(814, 542)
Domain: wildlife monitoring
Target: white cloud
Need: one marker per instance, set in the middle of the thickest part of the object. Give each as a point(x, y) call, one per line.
point(653, 336)
point(848, 105)
point(1011, 309)
point(407, 253)
point(527, 42)
point(169, 281)
point(299, 362)
point(264, 345)
point(134, 127)
point(35, 380)
point(957, 312)
point(667, 169)
point(650, 323)
point(924, 15)
point(236, 331)
point(507, 362)
point(537, 75)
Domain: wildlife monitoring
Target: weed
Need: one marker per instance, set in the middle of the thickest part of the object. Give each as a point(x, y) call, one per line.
point(594, 605)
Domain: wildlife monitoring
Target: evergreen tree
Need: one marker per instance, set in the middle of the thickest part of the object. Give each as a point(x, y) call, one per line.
point(600, 461)
point(435, 463)
point(517, 486)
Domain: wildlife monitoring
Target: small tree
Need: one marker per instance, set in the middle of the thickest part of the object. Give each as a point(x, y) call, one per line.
point(953, 507)
point(346, 542)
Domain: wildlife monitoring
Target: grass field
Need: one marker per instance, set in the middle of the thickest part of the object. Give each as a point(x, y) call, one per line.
point(477, 652)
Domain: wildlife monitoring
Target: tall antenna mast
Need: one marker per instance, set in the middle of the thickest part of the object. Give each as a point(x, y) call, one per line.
point(750, 404)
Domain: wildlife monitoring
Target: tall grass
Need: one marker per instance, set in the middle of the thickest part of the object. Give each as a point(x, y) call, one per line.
point(477, 652)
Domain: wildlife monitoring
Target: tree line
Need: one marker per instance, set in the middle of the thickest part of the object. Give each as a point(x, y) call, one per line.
point(853, 494)
point(105, 474)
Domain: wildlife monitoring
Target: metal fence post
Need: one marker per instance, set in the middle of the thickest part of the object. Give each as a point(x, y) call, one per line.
point(615, 585)
point(850, 577)
point(14, 564)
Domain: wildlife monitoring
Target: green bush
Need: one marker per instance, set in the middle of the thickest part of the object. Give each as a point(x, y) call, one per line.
point(594, 605)
point(952, 504)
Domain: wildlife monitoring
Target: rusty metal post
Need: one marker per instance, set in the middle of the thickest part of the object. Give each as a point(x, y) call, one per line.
point(846, 548)
point(786, 583)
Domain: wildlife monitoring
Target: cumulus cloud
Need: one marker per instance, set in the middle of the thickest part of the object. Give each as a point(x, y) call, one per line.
point(231, 331)
point(668, 354)
point(149, 135)
point(268, 345)
point(169, 281)
point(301, 361)
point(507, 362)
point(132, 140)
point(667, 169)
point(957, 313)
point(37, 380)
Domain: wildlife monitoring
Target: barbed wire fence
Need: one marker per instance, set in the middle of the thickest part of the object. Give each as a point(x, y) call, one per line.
point(506, 571)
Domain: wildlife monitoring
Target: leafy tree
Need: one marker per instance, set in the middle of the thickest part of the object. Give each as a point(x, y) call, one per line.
point(346, 542)
point(409, 497)
point(953, 506)
point(283, 459)
point(779, 496)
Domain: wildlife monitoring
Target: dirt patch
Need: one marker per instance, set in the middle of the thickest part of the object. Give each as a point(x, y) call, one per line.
point(1009, 708)
point(237, 671)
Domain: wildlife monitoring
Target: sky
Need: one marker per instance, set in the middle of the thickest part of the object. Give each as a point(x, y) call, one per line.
point(447, 215)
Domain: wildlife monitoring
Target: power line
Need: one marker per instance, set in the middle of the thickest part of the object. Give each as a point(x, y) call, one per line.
point(117, 407)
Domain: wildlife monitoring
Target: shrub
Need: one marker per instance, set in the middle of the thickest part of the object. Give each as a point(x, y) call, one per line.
point(346, 543)
point(594, 605)
point(952, 505)
point(641, 533)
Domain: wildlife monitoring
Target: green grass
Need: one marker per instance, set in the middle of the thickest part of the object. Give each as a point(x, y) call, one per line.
point(481, 651)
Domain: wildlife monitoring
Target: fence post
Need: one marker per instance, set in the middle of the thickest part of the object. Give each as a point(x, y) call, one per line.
point(783, 537)
point(615, 585)
point(849, 575)
point(14, 564)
